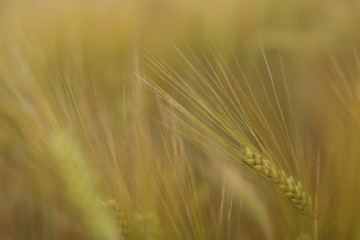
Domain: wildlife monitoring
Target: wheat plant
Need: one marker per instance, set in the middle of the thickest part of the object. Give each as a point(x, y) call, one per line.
point(184, 120)
point(227, 114)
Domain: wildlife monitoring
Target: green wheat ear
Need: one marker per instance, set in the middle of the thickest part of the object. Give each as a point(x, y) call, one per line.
point(113, 205)
point(80, 187)
point(292, 190)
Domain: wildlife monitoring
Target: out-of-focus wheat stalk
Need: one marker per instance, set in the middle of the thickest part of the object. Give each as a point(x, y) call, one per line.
point(79, 185)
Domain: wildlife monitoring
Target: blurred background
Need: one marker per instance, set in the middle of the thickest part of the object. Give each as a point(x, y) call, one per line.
point(78, 126)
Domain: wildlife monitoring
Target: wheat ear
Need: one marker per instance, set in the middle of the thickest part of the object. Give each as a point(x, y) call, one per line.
point(291, 189)
point(113, 205)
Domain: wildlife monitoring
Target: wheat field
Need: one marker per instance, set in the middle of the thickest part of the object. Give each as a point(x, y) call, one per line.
point(179, 119)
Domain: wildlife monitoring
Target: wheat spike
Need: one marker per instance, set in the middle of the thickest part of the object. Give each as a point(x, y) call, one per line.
point(113, 205)
point(291, 189)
